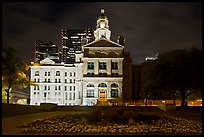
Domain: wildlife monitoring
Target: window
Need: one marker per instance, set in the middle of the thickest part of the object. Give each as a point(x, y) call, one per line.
point(38, 87)
point(70, 74)
point(66, 96)
point(34, 87)
point(45, 94)
point(45, 80)
point(48, 80)
point(74, 80)
point(114, 92)
point(59, 88)
point(55, 87)
point(70, 96)
point(34, 93)
point(74, 88)
point(102, 85)
point(102, 65)
point(48, 87)
point(70, 88)
point(48, 73)
point(90, 85)
point(36, 73)
point(65, 88)
point(59, 80)
point(74, 74)
point(55, 80)
point(114, 65)
point(45, 73)
point(38, 80)
point(57, 73)
point(90, 93)
point(114, 85)
point(90, 65)
point(45, 88)
point(74, 96)
point(65, 81)
point(35, 79)
point(65, 74)
point(70, 80)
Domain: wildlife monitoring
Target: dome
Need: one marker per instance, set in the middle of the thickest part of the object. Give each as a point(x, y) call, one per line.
point(102, 16)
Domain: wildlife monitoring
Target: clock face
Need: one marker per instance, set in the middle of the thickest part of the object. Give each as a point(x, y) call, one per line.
point(102, 25)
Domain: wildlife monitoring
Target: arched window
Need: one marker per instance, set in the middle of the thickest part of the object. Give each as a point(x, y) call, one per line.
point(102, 85)
point(114, 90)
point(90, 85)
point(36, 73)
point(114, 85)
point(57, 73)
point(90, 93)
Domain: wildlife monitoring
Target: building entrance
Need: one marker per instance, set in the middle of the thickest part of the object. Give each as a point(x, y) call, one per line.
point(102, 94)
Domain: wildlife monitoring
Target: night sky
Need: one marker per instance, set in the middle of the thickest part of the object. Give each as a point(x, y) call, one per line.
point(148, 27)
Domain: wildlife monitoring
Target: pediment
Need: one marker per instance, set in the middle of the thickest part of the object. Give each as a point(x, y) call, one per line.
point(103, 43)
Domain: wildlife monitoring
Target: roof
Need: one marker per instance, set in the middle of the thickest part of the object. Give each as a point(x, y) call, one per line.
point(103, 43)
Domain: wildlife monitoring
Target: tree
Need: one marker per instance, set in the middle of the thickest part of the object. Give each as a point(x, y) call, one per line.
point(174, 71)
point(13, 75)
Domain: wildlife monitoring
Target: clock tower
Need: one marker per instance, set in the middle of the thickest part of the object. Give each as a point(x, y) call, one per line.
point(102, 28)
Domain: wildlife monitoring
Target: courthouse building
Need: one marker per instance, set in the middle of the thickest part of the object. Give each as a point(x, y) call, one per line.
point(95, 77)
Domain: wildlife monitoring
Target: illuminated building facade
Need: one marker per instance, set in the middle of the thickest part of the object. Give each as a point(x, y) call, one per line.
point(96, 69)
point(56, 83)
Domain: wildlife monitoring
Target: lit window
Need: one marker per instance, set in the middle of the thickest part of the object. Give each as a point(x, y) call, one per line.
point(90, 65)
point(90, 93)
point(36, 73)
point(102, 85)
point(102, 65)
point(114, 65)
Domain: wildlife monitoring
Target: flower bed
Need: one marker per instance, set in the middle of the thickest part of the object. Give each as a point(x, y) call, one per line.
point(96, 123)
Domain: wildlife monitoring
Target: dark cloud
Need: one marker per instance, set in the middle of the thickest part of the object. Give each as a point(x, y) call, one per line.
point(148, 27)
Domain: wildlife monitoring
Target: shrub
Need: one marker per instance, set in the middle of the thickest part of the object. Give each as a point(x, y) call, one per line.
point(146, 118)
